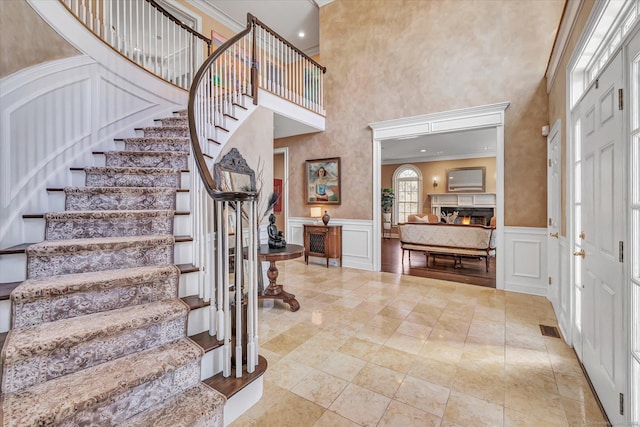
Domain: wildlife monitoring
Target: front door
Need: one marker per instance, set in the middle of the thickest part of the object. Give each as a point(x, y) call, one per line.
point(597, 240)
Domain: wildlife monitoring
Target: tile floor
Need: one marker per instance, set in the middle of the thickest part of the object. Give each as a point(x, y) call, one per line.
point(381, 349)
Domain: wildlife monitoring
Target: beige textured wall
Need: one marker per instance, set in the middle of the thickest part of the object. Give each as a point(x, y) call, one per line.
point(254, 140)
point(557, 99)
point(278, 172)
point(439, 169)
point(405, 58)
point(27, 39)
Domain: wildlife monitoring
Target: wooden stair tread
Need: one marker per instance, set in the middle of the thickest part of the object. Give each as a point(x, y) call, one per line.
point(206, 341)
point(5, 290)
point(195, 302)
point(231, 385)
point(17, 249)
point(183, 238)
point(187, 268)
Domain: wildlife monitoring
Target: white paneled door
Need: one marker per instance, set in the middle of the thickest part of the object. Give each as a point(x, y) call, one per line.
point(598, 235)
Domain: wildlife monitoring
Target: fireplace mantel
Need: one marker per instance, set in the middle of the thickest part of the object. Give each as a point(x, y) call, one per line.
point(462, 200)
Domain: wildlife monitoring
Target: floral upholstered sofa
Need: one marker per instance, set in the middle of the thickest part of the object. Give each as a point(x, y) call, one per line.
point(451, 239)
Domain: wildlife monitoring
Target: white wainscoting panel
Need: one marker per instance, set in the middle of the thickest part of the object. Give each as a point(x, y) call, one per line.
point(357, 240)
point(53, 115)
point(525, 260)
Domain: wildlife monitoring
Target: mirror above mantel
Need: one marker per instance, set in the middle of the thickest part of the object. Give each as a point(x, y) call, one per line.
point(468, 180)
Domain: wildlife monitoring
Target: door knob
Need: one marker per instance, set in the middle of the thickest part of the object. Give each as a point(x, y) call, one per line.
point(579, 253)
point(553, 235)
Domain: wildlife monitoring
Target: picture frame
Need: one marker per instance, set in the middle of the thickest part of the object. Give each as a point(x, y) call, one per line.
point(467, 180)
point(322, 181)
point(277, 188)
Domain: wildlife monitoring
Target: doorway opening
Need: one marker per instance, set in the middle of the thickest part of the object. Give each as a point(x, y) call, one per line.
point(449, 125)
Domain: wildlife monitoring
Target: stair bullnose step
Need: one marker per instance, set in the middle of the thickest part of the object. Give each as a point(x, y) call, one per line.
point(54, 349)
point(109, 215)
point(97, 393)
point(232, 385)
point(200, 405)
point(49, 299)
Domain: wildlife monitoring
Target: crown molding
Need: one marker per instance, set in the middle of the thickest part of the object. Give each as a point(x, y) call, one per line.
point(567, 24)
point(321, 3)
point(218, 15)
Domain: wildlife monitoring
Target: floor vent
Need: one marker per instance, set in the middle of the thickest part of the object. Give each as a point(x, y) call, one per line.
point(549, 331)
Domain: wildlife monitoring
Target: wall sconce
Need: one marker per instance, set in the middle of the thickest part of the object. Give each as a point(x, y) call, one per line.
point(316, 213)
point(435, 182)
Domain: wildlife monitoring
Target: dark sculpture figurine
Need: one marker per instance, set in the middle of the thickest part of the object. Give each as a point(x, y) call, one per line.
point(276, 239)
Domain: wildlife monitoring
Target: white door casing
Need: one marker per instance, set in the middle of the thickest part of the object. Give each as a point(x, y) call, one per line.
point(554, 214)
point(600, 229)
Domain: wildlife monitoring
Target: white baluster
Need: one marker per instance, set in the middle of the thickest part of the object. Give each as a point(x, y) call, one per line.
point(221, 230)
point(226, 370)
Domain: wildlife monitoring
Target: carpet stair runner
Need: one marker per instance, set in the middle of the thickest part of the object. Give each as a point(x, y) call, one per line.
point(98, 332)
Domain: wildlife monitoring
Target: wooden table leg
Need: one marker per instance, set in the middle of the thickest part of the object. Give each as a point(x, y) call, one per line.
point(275, 291)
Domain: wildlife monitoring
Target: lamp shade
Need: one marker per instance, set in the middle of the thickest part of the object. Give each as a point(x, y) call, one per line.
point(316, 212)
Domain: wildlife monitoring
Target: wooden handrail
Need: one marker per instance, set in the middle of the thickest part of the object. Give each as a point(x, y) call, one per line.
point(205, 174)
point(166, 13)
point(252, 19)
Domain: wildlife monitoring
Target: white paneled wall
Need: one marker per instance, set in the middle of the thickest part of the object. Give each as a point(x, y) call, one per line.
point(357, 240)
point(52, 116)
point(525, 260)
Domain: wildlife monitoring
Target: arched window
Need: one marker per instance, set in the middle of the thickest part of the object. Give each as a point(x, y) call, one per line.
point(407, 186)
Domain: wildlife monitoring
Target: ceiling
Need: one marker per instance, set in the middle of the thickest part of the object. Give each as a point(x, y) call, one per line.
point(285, 17)
point(442, 146)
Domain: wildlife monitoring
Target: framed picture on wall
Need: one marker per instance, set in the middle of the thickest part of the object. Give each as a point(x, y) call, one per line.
point(322, 178)
point(277, 188)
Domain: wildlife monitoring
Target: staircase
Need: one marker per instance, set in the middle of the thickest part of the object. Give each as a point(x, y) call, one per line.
point(98, 332)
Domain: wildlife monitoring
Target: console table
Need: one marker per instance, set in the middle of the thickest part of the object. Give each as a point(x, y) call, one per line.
point(323, 241)
point(275, 291)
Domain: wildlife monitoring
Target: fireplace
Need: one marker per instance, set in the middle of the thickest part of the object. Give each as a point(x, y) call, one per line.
point(470, 215)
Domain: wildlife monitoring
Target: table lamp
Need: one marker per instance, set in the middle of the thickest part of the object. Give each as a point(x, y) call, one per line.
point(316, 214)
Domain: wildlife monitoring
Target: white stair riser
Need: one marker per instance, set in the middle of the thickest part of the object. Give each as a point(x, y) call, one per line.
point(182, 225)
point(211, 363)
point(198, 321)
point(183, 253)
point(5, 315)
point(188, 284)
point(13, 268)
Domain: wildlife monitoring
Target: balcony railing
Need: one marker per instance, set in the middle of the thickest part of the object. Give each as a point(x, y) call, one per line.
point(147, 34)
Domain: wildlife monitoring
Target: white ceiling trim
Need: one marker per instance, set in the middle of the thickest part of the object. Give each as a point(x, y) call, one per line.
point(427, 159)
point(560, 46)
point(219, 15)
point(455, 120)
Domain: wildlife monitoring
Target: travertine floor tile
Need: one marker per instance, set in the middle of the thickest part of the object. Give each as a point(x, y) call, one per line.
point(469, 411)
point(360, 405)
point(423, 395)
point(378, 379)
point(399, 414)
point(379, 349)
point(320, 387)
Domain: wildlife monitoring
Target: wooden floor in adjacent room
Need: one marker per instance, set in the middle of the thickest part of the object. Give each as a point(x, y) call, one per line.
point(473, 271)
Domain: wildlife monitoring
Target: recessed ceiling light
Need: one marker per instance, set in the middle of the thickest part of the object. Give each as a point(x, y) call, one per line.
point(486, 148)
point(301, 34)
point(439, 152)
point(423, 151)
